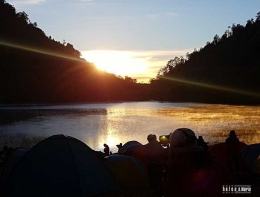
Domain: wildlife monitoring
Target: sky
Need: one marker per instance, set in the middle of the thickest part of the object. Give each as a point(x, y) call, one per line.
point(136, 37)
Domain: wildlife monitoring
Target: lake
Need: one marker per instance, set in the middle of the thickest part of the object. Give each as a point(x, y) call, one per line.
point(112, 123)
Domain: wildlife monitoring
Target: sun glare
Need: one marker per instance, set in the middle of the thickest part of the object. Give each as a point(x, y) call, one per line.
point(117, 62)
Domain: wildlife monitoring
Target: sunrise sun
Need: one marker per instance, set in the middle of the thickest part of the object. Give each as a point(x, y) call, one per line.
point(117, 62)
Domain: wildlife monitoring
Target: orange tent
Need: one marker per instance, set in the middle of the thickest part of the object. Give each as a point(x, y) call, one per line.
point(218, 151)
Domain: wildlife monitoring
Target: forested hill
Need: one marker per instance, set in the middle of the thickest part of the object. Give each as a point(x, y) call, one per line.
point(225, 70)
point(34, 68)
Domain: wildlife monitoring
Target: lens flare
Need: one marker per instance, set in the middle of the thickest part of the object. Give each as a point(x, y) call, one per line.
point(36, 50)
point(216, 87)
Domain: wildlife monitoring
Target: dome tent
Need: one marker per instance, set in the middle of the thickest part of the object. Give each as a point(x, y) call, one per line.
point(129, 172)
point(129, 147)
point(251, 156)
point(60, 166)
point(14, 158)
point(219, 151)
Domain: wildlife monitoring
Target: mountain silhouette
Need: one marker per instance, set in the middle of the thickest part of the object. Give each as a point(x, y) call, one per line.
point(225, 70)
point(34, 68)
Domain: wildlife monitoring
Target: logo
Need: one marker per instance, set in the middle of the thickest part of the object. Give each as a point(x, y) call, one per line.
point(236, 189)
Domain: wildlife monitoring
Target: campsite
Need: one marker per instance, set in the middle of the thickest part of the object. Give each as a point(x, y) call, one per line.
point(64, 166)
point(113, 98)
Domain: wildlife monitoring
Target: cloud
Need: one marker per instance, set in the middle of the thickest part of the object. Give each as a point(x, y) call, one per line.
point(26, 2)
point(149, 61)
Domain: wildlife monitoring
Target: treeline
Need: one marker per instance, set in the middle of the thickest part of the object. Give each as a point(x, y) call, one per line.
point(34, 68)
point(225, 70)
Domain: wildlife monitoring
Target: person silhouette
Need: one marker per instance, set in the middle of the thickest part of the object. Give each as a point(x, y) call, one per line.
point(188, 167)
point(154, 160)
point(106, 150)
point(232, 150)
point(202, 143)
point(119, 146)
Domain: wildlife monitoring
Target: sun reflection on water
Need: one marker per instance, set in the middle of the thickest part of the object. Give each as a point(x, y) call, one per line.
point(212, 121)
point(114, 123)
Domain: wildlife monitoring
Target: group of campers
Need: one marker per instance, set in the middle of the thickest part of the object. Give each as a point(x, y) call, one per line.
point(180, 165)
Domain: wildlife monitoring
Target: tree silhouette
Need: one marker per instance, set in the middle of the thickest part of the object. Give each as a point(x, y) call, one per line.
point(34, 68)
point(225, 70)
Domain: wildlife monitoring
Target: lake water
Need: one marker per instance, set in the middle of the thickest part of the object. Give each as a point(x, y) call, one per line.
point(112, 123)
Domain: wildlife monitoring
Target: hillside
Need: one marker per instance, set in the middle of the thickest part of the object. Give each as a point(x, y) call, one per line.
point(34, 68)
point(225, 70)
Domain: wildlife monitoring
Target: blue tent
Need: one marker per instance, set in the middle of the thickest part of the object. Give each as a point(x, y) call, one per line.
point(60, 166)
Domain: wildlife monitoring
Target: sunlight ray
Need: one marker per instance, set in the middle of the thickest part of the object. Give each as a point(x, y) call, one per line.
point(216, 87)
point(35, 50)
